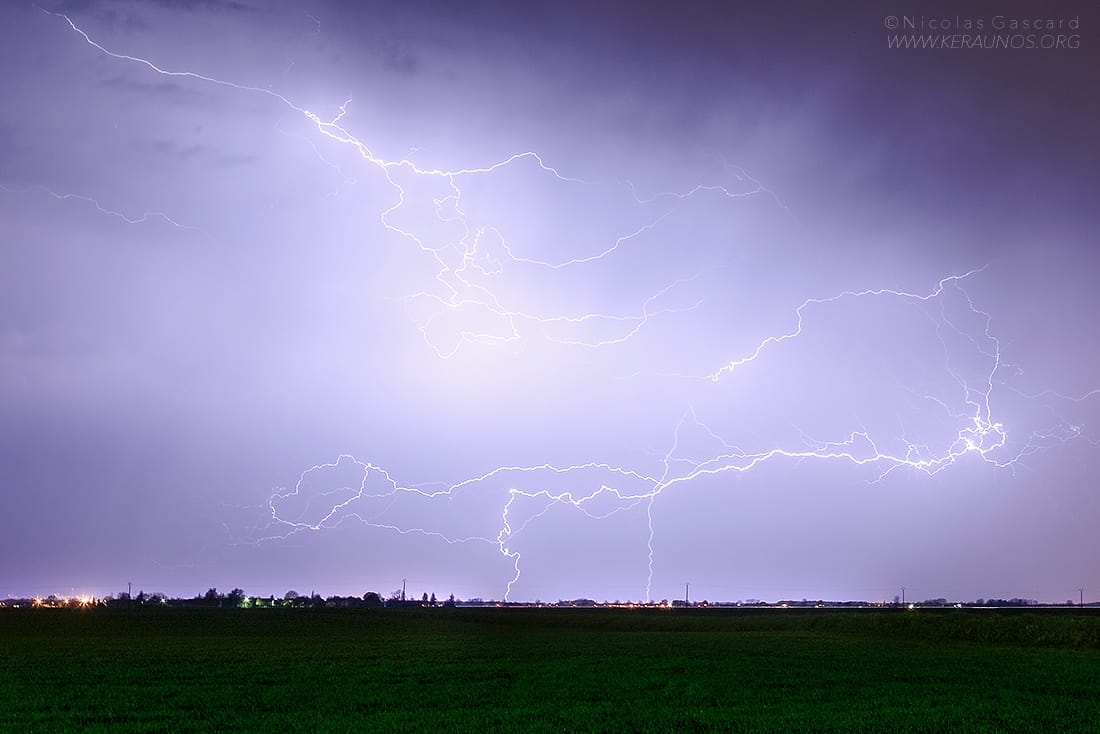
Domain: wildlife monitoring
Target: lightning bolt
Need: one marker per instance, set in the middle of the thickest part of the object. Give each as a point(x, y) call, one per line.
point(127, 218)
point(597, 489)
point(797, 331)
point(458, 259)
point(515, 498)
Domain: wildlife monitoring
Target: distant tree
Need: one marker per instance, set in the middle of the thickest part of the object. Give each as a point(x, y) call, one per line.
point(235, 598)
point(432, 600)
point(373, 599)
point(450, 601)
point(212, 596)
point(290, 595)
point(424, 599)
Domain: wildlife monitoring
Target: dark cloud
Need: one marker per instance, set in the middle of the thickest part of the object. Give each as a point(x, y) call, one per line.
point(110, 9)
point(206, 155)
point(103, 11)
point(208, 5)
point(150, 88)
point(401, 58)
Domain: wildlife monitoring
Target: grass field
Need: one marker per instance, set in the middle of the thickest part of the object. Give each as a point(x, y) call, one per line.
point(549, 670)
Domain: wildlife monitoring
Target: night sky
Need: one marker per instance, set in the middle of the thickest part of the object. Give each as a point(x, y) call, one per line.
point(549, 300)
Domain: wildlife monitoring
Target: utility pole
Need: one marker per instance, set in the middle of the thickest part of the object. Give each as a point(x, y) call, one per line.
point(903, 596)
point(403, 581)
point(1081, 596)
point(687, 587)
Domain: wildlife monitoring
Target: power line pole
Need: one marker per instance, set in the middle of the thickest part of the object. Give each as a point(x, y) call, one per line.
point(1081, 593)
point(903, 596)
point(403, 589)
point(687, 587)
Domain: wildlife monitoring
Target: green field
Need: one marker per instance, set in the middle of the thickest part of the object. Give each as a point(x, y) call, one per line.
point(549, 670)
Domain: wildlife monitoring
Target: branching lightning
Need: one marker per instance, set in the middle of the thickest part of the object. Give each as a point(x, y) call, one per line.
point(519, 496)
point(597, 489)
point(456, 258)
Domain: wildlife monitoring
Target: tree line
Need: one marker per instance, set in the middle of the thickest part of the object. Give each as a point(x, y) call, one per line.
point(237, 598)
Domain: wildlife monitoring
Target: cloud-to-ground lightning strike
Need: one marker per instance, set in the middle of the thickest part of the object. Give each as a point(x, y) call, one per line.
point(977, 435)
point(521, 495)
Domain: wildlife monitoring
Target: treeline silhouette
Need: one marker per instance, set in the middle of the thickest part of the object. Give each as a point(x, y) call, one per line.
point(237, 598)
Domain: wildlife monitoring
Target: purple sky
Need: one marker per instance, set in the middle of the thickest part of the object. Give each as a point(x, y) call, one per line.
point(549, 301)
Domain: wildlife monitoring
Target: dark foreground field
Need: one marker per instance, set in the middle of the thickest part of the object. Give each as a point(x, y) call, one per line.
point(549, 670)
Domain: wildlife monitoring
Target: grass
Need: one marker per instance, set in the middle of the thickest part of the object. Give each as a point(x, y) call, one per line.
point(549, 670)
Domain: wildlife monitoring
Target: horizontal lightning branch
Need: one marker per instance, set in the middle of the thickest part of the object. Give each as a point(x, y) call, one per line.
point(127, 218)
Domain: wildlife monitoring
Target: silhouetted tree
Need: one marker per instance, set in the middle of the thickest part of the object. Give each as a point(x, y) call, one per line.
point(211, 596)
point(373, 599)
point(432, 600)
point(235, 598)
